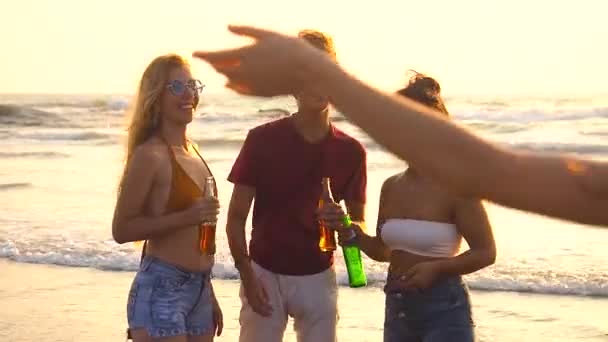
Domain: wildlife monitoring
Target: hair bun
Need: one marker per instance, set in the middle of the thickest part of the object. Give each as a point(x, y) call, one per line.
point(424, 89)
point(425, 84)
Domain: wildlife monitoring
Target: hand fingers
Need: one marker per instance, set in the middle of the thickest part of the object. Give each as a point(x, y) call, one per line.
point(208, 205)
point(257, 303)
point(249, 31)
point(403, 283)
point(210, 202)
point(332, 207)
point(332, 215)
point(346, 234)
point(263, 294)
point(331, 211)
point(258, 299)
point(261, 308)
point(231, 56)
point(411, 283)
point(346, 237)
point(356, 227)
point(336, 225)
point(220, 324)
point(222, 58)
point(352, 231)
point(213, 211)
point(228, 63)
point(411, 272)
point(264, 300)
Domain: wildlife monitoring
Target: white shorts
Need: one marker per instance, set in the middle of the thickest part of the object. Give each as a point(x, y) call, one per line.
point(311, 300)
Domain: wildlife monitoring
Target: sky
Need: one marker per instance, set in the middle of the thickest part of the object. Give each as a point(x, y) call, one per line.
point(471, 46)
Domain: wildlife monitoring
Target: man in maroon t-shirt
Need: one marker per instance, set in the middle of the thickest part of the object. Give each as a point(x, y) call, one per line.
point(281, 165)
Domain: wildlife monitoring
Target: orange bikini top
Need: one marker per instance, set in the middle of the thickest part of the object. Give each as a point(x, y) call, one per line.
point(184, 191)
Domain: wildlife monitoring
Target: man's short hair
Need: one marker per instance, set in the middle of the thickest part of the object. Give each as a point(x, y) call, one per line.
point(320, 40)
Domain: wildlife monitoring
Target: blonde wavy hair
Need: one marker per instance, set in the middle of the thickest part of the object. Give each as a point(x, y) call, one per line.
point(144, 114)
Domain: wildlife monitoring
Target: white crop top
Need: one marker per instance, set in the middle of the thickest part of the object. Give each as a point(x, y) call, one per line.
point(426, 238)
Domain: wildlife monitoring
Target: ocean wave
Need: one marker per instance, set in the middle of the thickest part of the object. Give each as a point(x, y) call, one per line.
point(107, 255)
point(229, 114)
point(70, 135)
point(12, 115)
point(498, 127)
point(587, 288)
point(37, 154)
point(112, 104)
point(594, 132)
point(555, 147)
point(8, 186)
point(278, 111)
point(539, 280)
point(220, 142)
point(584, 149)
point(529, 116)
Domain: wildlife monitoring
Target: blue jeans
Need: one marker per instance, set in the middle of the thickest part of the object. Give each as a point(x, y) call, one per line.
point(439, 313)
point(168, 301)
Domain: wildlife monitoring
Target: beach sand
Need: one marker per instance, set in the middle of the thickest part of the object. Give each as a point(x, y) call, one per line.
point(55, 303)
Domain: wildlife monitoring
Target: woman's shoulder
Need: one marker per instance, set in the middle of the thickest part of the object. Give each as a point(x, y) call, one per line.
point(152, 152)
point(392, 180)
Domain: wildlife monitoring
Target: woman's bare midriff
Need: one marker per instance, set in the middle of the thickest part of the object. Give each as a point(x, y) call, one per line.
point(402, 261)
point(181, 249)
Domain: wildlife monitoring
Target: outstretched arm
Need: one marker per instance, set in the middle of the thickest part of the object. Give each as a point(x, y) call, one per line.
point(558, 186)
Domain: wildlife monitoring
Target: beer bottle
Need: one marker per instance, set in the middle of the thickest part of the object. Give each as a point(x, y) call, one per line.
point(207, 229)
point(327, 240)
point(352, 259)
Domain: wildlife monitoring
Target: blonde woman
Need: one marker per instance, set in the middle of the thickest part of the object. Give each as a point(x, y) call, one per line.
point(160, 201)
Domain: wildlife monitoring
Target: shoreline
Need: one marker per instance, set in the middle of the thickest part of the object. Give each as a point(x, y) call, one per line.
point(57, 303)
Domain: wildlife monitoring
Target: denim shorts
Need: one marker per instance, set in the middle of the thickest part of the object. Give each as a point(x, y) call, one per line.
point(168, 301)
point(439, 313)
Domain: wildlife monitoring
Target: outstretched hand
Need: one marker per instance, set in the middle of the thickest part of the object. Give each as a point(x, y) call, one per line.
point(275, 64)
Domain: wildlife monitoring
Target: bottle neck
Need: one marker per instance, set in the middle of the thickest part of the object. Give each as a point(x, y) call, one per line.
point(209, 189)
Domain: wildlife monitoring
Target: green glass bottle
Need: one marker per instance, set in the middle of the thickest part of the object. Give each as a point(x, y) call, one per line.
point(352, 258)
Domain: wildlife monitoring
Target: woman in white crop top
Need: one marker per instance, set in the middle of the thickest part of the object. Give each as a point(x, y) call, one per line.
point(420, 228)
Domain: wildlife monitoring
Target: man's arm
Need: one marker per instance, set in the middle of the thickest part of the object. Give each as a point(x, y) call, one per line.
point(356, 190)
point(240, 203)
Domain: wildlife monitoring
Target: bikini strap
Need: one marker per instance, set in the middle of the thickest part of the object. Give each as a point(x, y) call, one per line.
point(171, 153)
point(204, 162)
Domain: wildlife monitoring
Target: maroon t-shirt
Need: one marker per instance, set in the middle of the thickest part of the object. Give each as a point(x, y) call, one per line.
point(286, 172)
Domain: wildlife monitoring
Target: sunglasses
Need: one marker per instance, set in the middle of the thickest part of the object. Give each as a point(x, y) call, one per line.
point(178, 88)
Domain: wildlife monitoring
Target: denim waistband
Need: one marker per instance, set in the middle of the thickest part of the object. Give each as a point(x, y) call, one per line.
point(439, 285)
point(156, 265)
